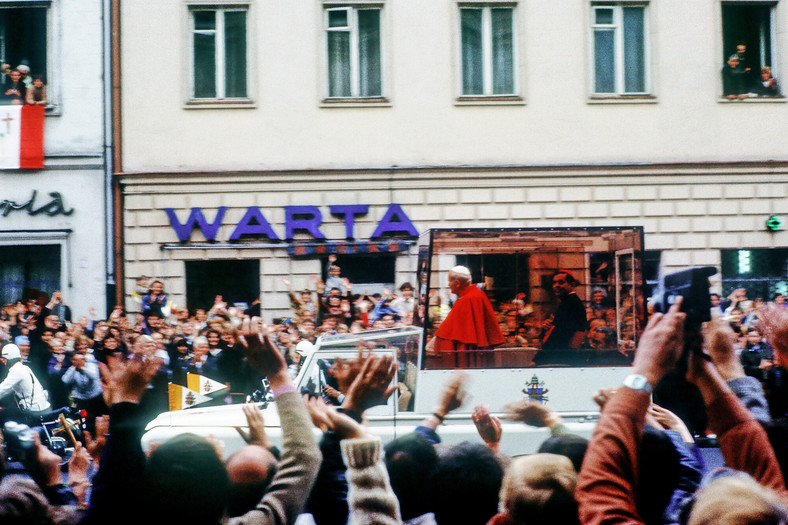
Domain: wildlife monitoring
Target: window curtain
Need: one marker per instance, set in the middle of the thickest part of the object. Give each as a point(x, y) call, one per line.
point(369, 53)
point(502, 51)
point(235, 54)
point(634, 50)
point(472, 59)
point(204, 54)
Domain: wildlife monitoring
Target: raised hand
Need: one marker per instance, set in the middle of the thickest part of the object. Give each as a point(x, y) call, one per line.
point(262, 353)
point(531, 413)
point(254, 419)
point(372, 386)
point(452, 395)
point(95, 446)
point(719, 340)
point(488, 426)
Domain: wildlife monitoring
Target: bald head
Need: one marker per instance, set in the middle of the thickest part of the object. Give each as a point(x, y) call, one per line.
point(250, 471)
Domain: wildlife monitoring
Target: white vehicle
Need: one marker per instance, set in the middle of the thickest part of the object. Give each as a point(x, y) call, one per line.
point(565, 390)
point(516, 269)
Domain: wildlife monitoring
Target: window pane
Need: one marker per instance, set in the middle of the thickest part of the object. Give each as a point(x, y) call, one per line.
point(337, 18)
point(235, 53)
point(634, 50)
point(502, 51)
point(472, 73)
point(604, 61)
point(205, 20)
point(339, 64)
point(604, 16)
point(204, 65)
point(23, 37)
point(369, 53)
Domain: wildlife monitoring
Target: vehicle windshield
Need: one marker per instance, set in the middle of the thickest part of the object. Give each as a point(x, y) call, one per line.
point(402, 343)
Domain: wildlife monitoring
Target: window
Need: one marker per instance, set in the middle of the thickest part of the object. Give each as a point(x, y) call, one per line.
point(353, 39)
point(762, 272)
point(487, 51)
point(237, 281)
point(219, 53)
point(747, 31)
point(23, 37)
point(619, 49)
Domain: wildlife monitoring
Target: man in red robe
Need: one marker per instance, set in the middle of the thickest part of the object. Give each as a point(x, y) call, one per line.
point(471, 323)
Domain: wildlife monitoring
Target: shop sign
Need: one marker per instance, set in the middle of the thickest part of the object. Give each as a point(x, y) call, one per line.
point(306, 219)
point(54, 207)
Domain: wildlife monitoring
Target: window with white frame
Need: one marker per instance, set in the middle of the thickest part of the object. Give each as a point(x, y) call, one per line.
point(748, 31)
point(219, 53)
point(620, 65)
point(353, 51)
point(23, 39)
point(487, 51)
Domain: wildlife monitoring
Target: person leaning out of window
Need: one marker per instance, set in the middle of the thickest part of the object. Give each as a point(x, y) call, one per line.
point(767, 85)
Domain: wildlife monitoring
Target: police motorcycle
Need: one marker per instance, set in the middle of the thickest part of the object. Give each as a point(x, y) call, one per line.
point(58, 430)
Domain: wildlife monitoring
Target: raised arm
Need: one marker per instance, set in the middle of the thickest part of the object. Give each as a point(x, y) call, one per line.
point(608, 479)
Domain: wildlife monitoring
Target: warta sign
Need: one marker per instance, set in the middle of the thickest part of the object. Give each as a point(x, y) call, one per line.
point(307, 219)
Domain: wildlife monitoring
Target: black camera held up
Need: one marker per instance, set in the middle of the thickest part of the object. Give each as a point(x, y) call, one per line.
point(693, 285)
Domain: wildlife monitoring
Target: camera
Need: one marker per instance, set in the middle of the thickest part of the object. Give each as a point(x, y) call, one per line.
point(19, 439)
point(693, 285)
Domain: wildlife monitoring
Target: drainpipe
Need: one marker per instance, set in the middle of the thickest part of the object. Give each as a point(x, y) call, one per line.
point(115, 196)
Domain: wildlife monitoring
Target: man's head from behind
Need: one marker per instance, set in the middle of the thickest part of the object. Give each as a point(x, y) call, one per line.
point(410, 461)
point(187, 482)
point(466, 485)
point(539, 489)
point(250, 471)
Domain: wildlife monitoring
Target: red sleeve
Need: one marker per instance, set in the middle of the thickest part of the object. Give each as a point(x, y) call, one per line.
point(743, 442)
point(606, 484)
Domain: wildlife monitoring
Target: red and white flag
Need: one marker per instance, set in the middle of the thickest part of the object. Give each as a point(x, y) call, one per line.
point(21, 137)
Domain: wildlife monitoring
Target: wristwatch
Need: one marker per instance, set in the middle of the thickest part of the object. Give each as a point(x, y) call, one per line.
point(638, 382)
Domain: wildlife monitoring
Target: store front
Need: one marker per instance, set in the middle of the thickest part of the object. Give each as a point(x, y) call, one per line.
point(266, 229)
point(52, 237)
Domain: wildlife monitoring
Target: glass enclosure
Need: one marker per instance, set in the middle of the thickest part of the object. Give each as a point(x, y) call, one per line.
point(402, 343)
point(538, 283)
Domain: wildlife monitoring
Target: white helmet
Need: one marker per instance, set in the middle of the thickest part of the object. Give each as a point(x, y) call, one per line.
point(10, 351)
point(305, 347)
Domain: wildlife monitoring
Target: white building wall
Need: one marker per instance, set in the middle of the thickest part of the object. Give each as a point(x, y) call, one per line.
point(74, 159)
point(287, 127)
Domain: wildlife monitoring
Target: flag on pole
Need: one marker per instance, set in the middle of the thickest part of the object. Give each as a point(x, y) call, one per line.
point(22, 137)
point(182, 397)
point(203, 385)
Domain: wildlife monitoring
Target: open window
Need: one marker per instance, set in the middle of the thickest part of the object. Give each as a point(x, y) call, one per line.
point(23, 37)
point(748, 31)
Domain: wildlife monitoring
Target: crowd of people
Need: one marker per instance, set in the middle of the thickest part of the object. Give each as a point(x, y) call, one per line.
point(19, 87)
point(739, 81)
point(640, 466)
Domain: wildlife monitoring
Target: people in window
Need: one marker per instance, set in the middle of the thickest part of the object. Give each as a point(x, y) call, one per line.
point(37, 93)
point(14, 92)
point(733, 79)
point(767, 86)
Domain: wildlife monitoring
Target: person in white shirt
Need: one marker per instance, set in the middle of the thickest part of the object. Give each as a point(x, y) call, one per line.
point(30, 394)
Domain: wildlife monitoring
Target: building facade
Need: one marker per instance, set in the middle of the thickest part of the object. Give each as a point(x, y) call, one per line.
point(277, 134)
point(52, 220)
